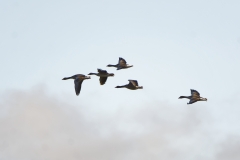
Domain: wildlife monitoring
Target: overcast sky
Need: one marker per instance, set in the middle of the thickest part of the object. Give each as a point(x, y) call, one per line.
point(174, 46)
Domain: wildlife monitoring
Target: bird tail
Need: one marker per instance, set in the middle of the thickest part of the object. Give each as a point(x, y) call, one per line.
point(87, 77)
point(92, 74)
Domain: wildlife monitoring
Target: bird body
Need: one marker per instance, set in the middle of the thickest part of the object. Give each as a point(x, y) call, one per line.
point(122, 64)
point(132, 85)
point(103, 74)
point(195, 96)
point(78, 79)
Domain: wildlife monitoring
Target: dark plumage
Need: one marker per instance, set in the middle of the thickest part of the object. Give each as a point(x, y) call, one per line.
point(78, 79)
point(103, 74)
point(133, 85)
point(122, 64)
point(195, 96)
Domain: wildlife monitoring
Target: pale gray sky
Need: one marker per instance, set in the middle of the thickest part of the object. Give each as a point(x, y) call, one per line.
point(174, 46)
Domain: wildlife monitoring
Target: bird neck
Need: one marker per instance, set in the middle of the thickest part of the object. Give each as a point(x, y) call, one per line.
point(111, 65)
point(121, 86)
point(188, 97)
point(65, 78)
point(93, 74)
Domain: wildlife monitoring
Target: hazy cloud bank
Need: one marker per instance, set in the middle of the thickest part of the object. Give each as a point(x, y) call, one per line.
point(35, 125)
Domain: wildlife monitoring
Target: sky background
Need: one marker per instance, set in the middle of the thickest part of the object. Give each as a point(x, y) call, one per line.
point(174, 46)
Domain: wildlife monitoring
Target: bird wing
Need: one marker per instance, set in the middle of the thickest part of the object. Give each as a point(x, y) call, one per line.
point(133, 82)
point(122, 62)
point(102, 80)
point(192, 101)
point(102, 71)
point(195, 93)
point(78, 85)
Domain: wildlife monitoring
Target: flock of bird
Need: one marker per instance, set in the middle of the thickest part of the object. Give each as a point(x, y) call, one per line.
point(132, 85)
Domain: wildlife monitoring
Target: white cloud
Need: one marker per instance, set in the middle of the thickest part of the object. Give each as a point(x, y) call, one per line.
point(37, 126)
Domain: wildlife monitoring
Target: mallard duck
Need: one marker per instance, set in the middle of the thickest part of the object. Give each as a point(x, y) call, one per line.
point(78, 79)
point(122, 64)
point(103, 74)
point(133, 85)
point(195, 96)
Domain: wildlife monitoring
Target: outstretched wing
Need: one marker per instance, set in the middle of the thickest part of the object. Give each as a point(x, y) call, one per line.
point(78, 84)
point(101, 71)
point(192, 101)
point(133, 82)
point(102, 80)
point(122, 62)
point(195, 93)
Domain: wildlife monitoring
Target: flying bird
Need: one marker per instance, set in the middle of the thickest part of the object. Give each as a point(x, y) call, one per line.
point(122, 64)
point(195, 96)
point(133, 85)
point(103, 74)
point(78, 79)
